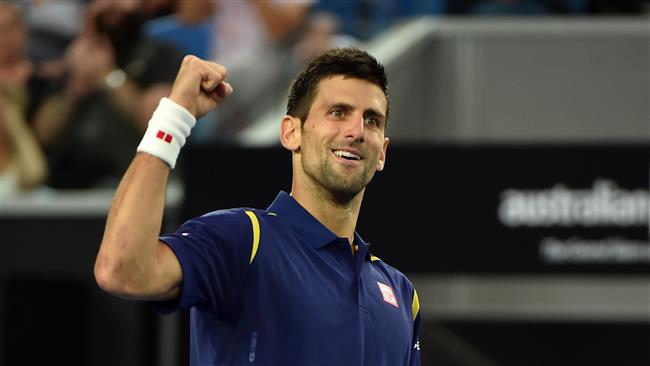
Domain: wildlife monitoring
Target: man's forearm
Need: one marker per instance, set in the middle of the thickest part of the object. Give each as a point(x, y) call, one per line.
point(127, 256)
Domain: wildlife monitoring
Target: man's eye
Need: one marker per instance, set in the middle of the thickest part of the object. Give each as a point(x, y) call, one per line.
point(337, 113)
point(372, 121)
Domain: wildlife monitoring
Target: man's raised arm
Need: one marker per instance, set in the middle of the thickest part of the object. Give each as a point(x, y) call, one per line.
point(132, 262)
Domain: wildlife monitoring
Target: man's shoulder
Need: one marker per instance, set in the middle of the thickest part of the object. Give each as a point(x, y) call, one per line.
point(224, 216)
point(233, 216)
point(233, 213)
point(395, 274)
point(223, 213)
point(233, 225)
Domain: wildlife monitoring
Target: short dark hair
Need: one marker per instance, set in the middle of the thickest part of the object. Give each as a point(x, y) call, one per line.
point(349, 62)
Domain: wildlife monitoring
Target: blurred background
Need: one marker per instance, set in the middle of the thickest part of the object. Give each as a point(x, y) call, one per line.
point(516, 194)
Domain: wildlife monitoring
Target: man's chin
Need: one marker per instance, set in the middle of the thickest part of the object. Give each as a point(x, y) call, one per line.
point(346, 192)
point(344, 197)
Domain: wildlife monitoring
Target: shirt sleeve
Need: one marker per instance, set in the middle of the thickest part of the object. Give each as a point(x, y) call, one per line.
point(213, 252)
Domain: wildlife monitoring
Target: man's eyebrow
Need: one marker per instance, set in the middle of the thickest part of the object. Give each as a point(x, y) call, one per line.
point(340, 105)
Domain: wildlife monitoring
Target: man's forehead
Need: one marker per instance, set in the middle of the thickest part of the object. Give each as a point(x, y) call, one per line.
point(342, 89)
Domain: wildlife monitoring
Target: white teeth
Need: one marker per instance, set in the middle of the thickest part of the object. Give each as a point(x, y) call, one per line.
point(346, 154)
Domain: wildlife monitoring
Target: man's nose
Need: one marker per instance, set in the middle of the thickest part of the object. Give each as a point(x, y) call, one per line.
point(354, 128)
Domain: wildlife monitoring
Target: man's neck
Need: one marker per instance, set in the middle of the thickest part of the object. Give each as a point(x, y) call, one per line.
point(339, 217)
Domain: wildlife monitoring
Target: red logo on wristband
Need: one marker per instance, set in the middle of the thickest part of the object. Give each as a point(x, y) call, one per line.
point(164, 136)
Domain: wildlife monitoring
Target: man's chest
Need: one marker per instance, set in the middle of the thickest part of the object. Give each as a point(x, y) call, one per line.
point(309, 295)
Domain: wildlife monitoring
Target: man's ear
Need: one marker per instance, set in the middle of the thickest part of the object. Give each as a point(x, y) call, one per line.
point(290, 133)
point(382, 156)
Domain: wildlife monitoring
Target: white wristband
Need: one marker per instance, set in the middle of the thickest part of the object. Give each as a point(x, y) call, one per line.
point(168, 128)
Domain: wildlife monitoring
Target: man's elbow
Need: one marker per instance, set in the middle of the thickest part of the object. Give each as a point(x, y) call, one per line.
point(105, 277)
point(109, 279)
point(135, 279)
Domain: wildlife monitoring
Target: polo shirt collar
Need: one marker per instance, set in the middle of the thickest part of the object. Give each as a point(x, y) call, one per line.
point(291, 212)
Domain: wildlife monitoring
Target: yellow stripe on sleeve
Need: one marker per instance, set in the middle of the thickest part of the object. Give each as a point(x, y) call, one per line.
point(373, 258)
point(416, 304)
point(256, 234)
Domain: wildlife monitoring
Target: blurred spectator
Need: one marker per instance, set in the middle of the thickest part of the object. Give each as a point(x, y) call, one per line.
point(191, 36)
point(321, 34)
point(253, 38)
point(19, 69)
point(115, 78)
point(52, 25)
point(246, 28)
point(364, 19)
point(159, 8)
point(22, 164)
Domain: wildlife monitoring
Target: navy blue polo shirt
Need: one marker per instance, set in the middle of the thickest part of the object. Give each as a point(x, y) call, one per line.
point(276, 287)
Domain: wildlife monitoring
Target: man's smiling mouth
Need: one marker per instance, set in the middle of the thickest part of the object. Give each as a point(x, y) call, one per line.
point(346, 155)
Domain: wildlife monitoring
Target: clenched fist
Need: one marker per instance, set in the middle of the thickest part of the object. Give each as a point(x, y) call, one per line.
point(200, 85)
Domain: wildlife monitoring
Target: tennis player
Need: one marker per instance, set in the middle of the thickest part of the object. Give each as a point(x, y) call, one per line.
point(292, 284)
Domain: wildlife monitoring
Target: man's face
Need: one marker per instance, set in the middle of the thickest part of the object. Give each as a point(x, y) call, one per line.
point(342, 140)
